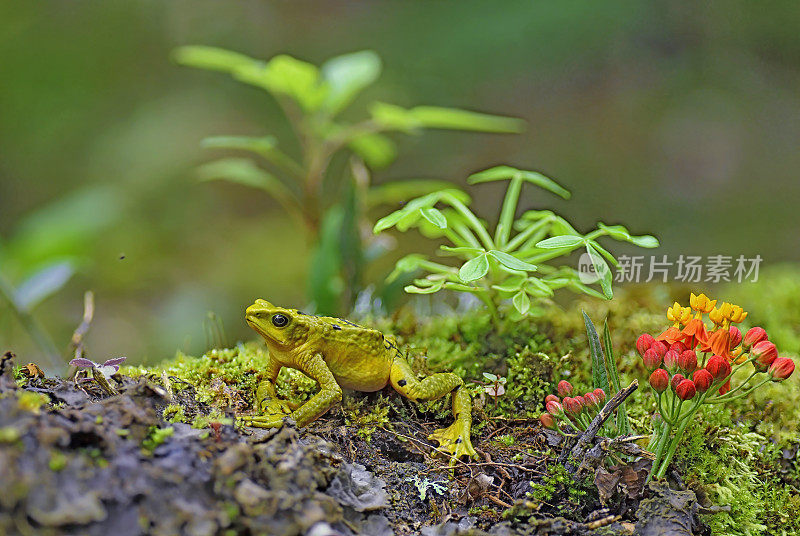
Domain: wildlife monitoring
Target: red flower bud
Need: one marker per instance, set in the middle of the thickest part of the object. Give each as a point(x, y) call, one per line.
point(688, 361)
point(736, 337)
point(676, 379)
point(718, 367)
point(548, 398)
point(702, 380)
point(725, 388)
point(659, 380)
point(592, 402)
point(651, 359)
point(754, 336)
point(547, 421)
point(765, 353)
point(660, 347)
point(644, 342)
point(600, 394)
point(564, 388)
point(671, 360)
point(678, 346)
point(555, 409)
point(572, 407)
point(581, 401)
point(686, 390)
point(781, 369)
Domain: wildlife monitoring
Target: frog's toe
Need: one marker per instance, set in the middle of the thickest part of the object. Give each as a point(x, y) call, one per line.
point(262, 421)
point(455, 441)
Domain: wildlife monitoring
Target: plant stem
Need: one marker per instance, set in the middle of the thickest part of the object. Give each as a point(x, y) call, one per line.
point(508, 211)
point(476, 225)
point(523, 236)
point(725, 398)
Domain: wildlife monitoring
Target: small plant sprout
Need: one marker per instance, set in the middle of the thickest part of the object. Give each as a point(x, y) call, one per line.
point(499, 264)
point(494, 386)
point(692, 363)
point(101, 373)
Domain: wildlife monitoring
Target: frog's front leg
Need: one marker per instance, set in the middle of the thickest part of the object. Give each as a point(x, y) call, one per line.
point(329, 394)
point(455, 439)
point(271, 409)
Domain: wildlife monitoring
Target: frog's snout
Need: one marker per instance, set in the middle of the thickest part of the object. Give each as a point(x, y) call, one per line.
point(258, 307)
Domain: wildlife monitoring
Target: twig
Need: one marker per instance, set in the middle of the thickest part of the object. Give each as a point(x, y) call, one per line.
point(579, 450)
point(76, 343)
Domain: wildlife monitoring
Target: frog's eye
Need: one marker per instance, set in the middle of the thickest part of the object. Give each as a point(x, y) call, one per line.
point(279, 320)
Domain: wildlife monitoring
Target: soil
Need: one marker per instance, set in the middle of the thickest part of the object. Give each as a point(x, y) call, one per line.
point(85, 462)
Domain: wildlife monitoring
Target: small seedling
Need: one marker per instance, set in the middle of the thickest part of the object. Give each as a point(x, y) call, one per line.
point(101, 373)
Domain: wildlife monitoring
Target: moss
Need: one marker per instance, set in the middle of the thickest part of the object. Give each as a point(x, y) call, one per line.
point(732, 465)
point(156, 437)
point(366, 416)
point(58, 461)
point(174, 413)
point(558, 486)
point(30, 401)
point(9, 434)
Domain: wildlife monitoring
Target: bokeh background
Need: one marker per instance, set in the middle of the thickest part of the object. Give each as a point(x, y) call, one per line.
point(679, 119)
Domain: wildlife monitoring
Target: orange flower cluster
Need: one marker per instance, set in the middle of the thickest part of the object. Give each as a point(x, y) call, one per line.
point(678, 375)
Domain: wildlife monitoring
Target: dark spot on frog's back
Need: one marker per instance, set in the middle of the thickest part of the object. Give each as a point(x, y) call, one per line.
point(337, 327)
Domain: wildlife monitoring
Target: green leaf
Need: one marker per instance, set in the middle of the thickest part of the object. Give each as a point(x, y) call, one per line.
point(602, 270)
point(42, 284)
point(347, 75)
point(490, 377)
point(474, 269)
point(449, 250)
point(409, 263)
point(521, 302)
point(561, 242)
point(508, 172)
point(456, 119)
point(212, 58)
point(399, 191)
point(395, 117)
point(511, 262)
point(377, 150)
point(507, 288)
point(435, 217)
point(623, 424)
point(434, 286)
point(619, 232)
point(243, 171)
point(285, 75)
point(262, 145)
point(325, 280)
point(599, 372)
point(540, 286)
point(389, 221)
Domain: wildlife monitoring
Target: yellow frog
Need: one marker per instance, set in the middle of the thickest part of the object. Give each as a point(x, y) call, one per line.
point(339, 354)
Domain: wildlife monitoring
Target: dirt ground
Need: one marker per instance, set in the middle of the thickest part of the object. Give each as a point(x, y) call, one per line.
point(76, 460)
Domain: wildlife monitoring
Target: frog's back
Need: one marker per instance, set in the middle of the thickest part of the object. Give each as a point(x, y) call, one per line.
point(360, 358)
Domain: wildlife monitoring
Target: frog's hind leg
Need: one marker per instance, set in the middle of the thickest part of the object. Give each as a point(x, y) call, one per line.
point(455, 439)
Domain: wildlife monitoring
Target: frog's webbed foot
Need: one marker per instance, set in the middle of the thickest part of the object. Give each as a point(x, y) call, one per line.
point(454, 440)
point(272, 414)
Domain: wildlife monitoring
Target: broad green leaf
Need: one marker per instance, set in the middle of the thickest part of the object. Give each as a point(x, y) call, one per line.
point(508, 172)
point(619, 232)
point(474, 269)
point(560, 242)
point(435, 217)
point(398, 191)
point(262, 145)
point(511, 262)
point(325, 278)
point(521, 302)
point(42, 284)
point(289, 76)
point(212, 58)
point(490, 377)
point(347, 75)
point(377, 150)
point(602, 270)
point(243, 171)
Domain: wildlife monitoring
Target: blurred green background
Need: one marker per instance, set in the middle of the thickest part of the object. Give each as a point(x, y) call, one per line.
point(677, 119)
